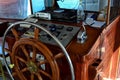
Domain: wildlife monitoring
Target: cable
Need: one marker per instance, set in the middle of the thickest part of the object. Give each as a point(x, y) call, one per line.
point(84, 27)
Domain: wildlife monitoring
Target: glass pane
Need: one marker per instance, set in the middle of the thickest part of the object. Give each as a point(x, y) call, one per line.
point(14, 9)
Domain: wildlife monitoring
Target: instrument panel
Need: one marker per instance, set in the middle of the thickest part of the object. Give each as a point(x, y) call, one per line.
point(64, 33)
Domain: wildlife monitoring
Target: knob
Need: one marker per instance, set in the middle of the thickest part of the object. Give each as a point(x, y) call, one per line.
point(52, 27)
point(69, 29)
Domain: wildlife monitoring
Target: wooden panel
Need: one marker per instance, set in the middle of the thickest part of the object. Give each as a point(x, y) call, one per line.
point(103, 55)
point(111, 42)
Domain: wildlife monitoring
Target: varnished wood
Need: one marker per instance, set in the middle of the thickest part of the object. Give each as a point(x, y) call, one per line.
point(83, 49)
point(91, 55)
point(110, 58)
point(108, 12)
point(103, 54)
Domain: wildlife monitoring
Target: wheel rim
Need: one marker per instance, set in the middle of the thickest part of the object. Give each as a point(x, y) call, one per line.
point(29, 61)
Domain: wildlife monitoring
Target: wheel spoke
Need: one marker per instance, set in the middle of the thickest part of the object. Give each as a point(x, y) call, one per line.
point(19, 63)
point(42, 62)
point(15, 34)
point(34, 54)
point(45, 73)
point(24, 69)
point(21, 59)
point(36, 31)
point(25, 52)
point(14, 73)
point(32, 76)
point(59, 55)
point(22, 76)
point(39, 76)
point(7, 50)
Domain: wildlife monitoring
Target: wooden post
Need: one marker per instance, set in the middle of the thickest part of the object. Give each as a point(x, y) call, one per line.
point(108, 13)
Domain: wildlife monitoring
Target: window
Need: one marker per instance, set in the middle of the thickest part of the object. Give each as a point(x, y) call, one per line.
point(14, 9)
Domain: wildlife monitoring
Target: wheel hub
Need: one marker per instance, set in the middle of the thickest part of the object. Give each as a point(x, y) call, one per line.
point(32, 67)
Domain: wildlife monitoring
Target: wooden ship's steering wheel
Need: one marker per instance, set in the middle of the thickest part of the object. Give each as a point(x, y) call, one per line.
point(30, 58)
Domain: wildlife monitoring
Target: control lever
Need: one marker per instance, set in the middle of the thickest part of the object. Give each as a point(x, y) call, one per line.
point(82, 35)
